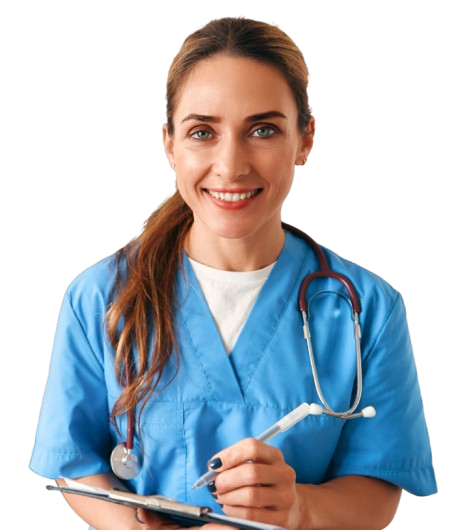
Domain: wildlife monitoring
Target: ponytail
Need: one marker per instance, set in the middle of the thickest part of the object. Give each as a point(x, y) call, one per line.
point(141, 313)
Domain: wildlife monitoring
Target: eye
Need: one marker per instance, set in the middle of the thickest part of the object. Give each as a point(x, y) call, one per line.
point(202, 134)
point(265, 131)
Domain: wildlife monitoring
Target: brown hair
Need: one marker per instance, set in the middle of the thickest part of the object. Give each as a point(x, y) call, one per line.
point(141, 313)
point(240, 37)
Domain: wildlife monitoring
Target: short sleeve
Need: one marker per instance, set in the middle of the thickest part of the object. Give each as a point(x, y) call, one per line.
point(394, 445)
point(73, 435)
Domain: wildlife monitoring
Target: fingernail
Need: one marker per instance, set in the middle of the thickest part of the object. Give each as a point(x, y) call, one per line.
point(215, 463)
point(211, 487)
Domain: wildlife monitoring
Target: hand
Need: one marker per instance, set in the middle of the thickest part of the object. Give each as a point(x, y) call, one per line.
point(254, 482)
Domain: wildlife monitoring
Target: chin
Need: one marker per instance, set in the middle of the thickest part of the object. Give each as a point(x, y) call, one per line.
point(240, 231)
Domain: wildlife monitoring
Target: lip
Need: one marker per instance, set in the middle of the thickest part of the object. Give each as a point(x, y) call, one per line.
point(235, 204)
point(232, 190)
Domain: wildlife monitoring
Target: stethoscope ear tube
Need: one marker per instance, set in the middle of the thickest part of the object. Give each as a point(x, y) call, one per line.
point(326, 272)
point(350, 414)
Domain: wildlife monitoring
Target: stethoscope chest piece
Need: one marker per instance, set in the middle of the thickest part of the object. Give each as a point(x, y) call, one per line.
point(124, 463)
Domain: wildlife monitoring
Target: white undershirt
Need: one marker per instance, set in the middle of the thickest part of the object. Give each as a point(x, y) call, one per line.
point(230, 296)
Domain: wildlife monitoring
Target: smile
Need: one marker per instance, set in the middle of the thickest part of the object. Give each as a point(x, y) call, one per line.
point(232, 197)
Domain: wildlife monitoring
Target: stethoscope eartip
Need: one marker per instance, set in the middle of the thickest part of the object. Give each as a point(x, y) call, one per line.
point(369, 412)
point(315, 409)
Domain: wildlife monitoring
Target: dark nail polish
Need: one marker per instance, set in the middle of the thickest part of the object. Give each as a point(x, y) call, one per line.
point(211, 487)
point(216, 463)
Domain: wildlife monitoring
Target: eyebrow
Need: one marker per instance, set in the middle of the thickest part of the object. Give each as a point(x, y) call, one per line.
point(255, 117)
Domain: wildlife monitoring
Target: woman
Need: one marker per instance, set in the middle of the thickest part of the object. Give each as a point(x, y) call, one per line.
point(195, 326)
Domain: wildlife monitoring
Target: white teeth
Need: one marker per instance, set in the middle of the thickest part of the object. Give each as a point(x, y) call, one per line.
point(231, 197)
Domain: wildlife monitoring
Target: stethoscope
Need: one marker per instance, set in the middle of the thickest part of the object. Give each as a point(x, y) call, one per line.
point(124, 462)
point(326, 272)
point(127, 465)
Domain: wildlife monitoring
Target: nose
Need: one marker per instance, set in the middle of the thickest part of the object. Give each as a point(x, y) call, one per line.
point(231, 158)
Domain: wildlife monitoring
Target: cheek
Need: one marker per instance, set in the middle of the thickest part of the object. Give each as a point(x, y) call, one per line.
point(281, 154)
point(278, 160)
point(192, 159)
point(280, 173)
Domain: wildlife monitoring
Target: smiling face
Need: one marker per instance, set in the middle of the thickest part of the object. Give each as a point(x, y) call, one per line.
point(234, 147)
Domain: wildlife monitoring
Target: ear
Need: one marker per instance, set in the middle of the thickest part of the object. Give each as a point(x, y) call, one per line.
point(168, 145)
point(306, 142)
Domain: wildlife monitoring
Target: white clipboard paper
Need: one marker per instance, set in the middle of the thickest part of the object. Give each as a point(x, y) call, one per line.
point(184, 514)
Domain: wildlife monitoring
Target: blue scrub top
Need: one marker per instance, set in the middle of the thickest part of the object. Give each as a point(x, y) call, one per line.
point(216, 399)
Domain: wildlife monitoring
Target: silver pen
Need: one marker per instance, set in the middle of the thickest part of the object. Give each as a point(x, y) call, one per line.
point(285, 423)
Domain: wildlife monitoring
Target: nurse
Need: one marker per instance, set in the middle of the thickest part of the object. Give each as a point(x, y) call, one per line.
point(203, 307)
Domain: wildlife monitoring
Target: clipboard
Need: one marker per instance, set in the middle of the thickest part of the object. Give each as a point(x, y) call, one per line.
point(184, 514)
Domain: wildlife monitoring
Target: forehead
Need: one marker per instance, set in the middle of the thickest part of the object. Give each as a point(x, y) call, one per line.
point(235, 86)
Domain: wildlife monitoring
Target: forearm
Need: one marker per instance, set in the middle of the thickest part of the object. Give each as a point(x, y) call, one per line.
point(102, 515)
point(348, 502)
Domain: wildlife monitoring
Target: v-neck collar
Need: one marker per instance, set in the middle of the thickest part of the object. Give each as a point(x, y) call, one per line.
point(229, 377)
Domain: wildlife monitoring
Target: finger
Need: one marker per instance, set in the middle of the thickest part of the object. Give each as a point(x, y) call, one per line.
point(213, 526)
point(151, 520)
point(139, 517)
point(261, 515)
point(280, 496)
point(243, 451)
point(254, 474)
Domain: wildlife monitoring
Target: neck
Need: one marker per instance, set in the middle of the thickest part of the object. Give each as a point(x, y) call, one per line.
point(249, 253)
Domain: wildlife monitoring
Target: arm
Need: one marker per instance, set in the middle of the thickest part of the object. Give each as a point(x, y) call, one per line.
point(107, 516)
point(254, 482)
point(348, 502)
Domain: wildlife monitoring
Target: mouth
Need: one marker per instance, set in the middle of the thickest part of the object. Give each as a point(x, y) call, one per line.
point(227, 196)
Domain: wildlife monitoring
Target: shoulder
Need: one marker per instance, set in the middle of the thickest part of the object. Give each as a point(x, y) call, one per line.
point(94, 286)
point(368, 284)
point(382, 306)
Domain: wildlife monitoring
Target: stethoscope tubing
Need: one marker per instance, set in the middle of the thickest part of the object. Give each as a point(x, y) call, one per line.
point(324, 273)
point(131, 411)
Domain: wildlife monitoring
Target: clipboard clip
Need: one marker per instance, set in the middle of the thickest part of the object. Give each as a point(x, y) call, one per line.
point(156, 501)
